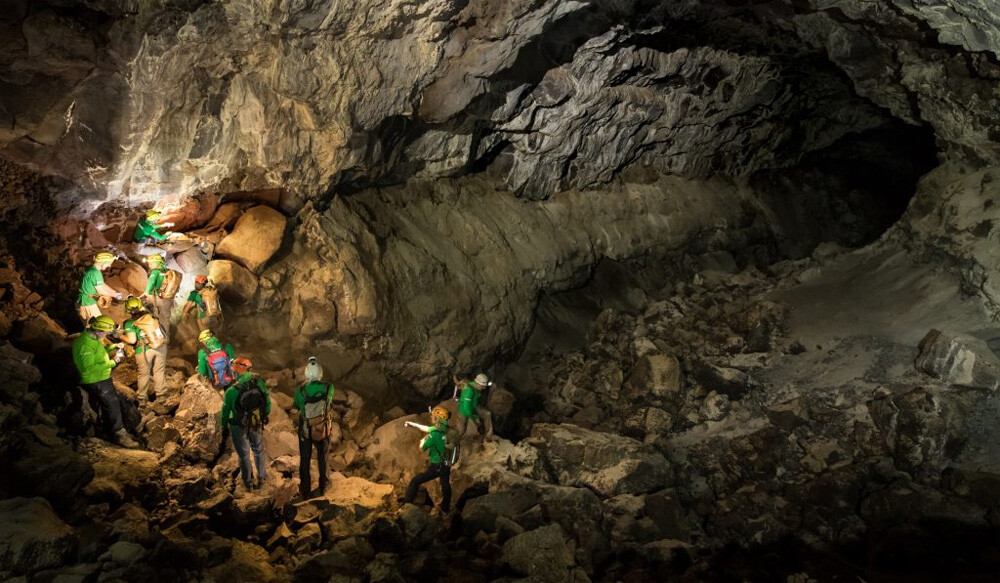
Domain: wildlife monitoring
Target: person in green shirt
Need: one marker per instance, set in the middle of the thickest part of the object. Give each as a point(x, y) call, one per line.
point(215, 360)
point(94, 363)
point(435, 444)
point(154, 284)
point(148, 229)
point(196, 303)
point(246, 407)
point(92, 287)
point(468, 394)
point(313, 400)
point(147, 359)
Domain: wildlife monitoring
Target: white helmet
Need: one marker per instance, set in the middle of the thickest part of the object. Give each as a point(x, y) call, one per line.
point(314, 371)
point(482, 380)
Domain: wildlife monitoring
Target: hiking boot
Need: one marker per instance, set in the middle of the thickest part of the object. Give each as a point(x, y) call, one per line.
point(123, 439)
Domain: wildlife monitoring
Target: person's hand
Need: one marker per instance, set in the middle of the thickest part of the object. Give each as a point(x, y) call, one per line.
point(166, 224)
point(119, 296)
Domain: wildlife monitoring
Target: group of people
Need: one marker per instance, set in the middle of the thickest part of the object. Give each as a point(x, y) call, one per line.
point(246, 408)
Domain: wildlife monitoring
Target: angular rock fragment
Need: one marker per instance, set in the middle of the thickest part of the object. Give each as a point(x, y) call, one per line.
point(256, 237)
point(959, 360)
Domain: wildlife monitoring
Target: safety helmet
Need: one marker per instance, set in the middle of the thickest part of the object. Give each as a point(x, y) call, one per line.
point(205, 335)
point(155, 259)
point(482, 380)
point(200, 280)
point(104, 257)
point(314, 371)
point(133, 304)
point(101, 324)
point(242, 365)
point(152, 214)
point(440, 413)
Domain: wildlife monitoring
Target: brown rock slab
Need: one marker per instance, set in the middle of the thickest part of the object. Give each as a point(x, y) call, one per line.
point(255, 238)
point(236, 283)
point(32, 537)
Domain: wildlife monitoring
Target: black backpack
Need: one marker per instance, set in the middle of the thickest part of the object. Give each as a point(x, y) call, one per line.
point(251, 405)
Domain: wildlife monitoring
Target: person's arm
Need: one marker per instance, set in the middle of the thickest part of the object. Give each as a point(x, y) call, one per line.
point(300, 399)
point(156, 234)
point(227, 407)
point(95, 357)
point(152, 282)
point(202, 363)
point(188, 306)
point(329, 395)
point(230, 352)
point(267, 396)
point(129, 337)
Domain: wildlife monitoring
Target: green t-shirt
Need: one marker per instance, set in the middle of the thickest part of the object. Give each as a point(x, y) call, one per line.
point(468, 402)
point(229, 400)
point(88, 286)
point(155, 281)
point(129, 326)
point(146, 229)
point(195, 298)
point(91, 359)
point(434, 445)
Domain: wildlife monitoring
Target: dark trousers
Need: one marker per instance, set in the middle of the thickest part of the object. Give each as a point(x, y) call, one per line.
point(305, 461)
point(433, 471)
point(104, 393)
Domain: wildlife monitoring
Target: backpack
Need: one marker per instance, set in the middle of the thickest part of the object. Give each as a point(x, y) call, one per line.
point(219, 365)
point(251, 405)
point(171, 283)
point(210, 295)
point(315, 416)
point(152, 332)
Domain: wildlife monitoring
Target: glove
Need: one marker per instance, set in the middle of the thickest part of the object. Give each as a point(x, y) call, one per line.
point(118, 296)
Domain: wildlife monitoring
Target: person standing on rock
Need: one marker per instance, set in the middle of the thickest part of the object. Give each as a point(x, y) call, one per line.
point(93, 288)
point(468, 394)
point(435, 444)
point(204, 301)
point(215, 361)
point(314, 401)
point(148, 229)
point(246, 407)
point(155, 290)
point(93, 362)
point(145, 333)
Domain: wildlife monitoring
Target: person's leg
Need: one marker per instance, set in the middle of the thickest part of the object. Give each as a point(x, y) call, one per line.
point(445, 473)
point(88, 312)
point(411, 490)
point(260, 457)
point(159, 366)
point(305, 459)
point(487, 420)
point(322, 448)
point(242, 447)
point(111, 412)
point(163, 308)
point(142, 364)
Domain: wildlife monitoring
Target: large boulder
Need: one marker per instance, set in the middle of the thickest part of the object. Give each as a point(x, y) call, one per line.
point(32, 537)
point(236, 283)
point(256, 237)
point(959, 360)
point(189, 212)
point(119, 473)
point(197, 420)
point(44, 465)
point(541, 554)
point(609, 464)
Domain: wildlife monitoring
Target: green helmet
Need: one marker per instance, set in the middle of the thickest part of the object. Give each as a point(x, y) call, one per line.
point(102, 324)
point(134, 304)
point(154, 260)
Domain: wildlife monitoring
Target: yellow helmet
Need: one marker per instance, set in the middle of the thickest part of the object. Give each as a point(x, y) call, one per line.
point(104, 257)
point(133, 304)
point(155, 259)
point(439, 413)
point(152, 214)
point(205, 335)
point(102, 324)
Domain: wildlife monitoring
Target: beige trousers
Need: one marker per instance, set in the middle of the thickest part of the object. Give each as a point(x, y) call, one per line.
point(152, 365)
point(88, 312)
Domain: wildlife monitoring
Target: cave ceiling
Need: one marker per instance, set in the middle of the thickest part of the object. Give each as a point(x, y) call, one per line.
point(140, 99)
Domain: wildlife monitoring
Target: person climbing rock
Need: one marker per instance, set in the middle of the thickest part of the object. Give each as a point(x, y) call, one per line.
point(245, 410)
point(204, 302)
point(93, 288)
point(468, 394)
point(94, 363)
point(435, 443)
point(145, 333)
point(156, 289)
point(148, 229)
point(314, 401)
point(215, 360)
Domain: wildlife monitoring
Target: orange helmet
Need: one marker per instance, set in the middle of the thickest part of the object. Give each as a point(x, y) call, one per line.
point(201, 280)
point(242, 365)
